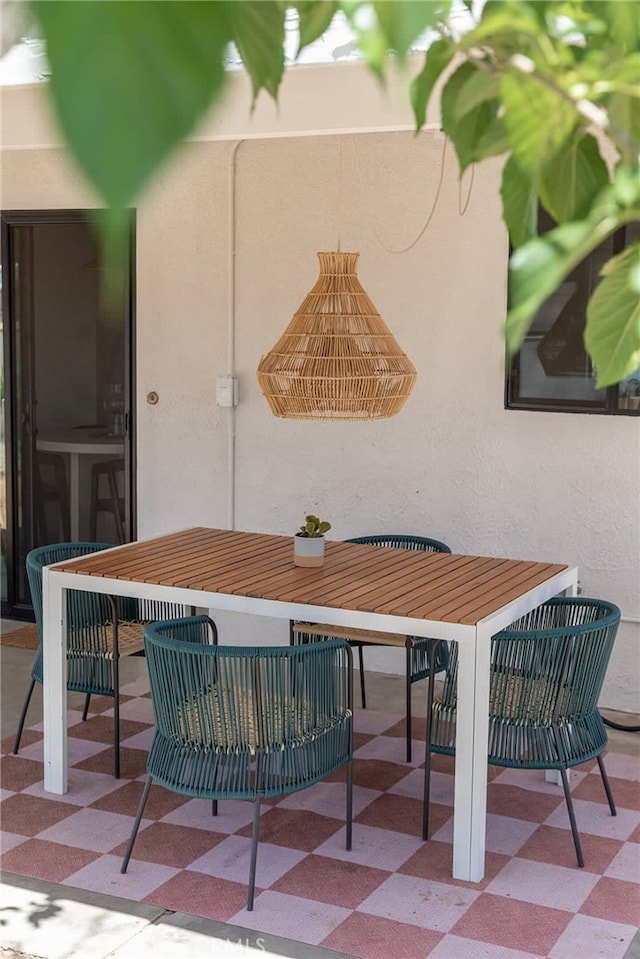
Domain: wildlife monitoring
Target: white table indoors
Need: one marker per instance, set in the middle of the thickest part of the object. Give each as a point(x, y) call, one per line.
point(75, 444)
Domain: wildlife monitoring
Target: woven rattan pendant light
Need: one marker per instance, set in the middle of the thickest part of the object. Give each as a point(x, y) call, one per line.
point(337, 359)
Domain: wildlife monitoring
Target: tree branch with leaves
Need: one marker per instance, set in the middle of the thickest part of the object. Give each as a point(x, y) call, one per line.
point(548, 84)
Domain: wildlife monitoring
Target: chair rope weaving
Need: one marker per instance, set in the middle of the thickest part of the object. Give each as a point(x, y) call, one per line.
point(245, 722)
point(547, 671)
point(417, 649)
point(100, 629)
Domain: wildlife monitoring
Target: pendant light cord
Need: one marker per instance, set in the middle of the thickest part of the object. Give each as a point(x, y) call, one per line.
point(404, 249)
point(462, 206)
point(339, 190)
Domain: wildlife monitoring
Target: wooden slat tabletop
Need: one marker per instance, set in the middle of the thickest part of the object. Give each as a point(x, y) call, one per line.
point(445, 587)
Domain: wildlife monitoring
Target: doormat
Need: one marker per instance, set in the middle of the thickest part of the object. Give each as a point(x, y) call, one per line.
point(25, 637)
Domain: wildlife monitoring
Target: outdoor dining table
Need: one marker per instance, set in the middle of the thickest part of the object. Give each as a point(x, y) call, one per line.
point(454, 597)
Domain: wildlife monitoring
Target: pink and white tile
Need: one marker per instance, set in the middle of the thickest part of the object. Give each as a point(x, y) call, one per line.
point(497, 920)
point(432, 905)
point(329, 799)
point(92, 829)
point(197, 812)
point(380, 848)
point(8, 840)
point(84, 787)
point(504, 835)
point(230, 860)
point(103, 875)
point(372, 721)
point(390, 748)
point(626, 864)
point(543, 884)
point(455, 947)
point(77, 750)
point(379, 938)
point(595, 938)
point(136, 687)
point(535, 780)
point(441, 787)
point(141, 740)
point(596, 819)
point(291, 916)
point(622, 766)
point(139, 709)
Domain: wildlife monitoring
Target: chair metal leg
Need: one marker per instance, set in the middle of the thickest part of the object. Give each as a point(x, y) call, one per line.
point(349, 816)
point(607, 786)
point(136, 825)
point(572, 818)
point(254, 852)
point(214, 807)
point(23, 716)
point(87, 700)
point(427, 751)
point(407, 692)
point(363, 695)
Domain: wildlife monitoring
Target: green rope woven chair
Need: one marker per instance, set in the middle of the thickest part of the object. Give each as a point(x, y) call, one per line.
point(417, 650)
point(247, 723)
point(547, 671)
point(100, 629)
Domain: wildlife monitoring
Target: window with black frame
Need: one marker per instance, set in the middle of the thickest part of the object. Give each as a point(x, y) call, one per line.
point(552, 371)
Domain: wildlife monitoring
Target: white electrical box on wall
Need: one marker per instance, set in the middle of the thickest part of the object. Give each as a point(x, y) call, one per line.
point(227, 391)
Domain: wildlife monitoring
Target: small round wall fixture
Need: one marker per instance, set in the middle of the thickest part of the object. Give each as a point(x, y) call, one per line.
point(337, 359)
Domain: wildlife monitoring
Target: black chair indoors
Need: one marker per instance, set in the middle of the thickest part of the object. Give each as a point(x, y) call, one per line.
point(547, 671)
point(417, 649)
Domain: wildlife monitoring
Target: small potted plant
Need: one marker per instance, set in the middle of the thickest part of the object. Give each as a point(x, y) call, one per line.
point(308, 543)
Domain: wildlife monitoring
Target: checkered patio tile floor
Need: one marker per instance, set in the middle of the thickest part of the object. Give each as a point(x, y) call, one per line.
point(392, 895)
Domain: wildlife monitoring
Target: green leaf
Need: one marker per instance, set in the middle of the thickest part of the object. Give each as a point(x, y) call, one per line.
point(258, 32)
point(624, 114)
point(438, 58)
point(538, 267)
point(480, 86)
point(623, 19)
point(315, 17)
point(129, 81)
point(505, 23)
point(403, 21)
point(612, 333)
point(493, 141)
point(538, 121)
point(577, 174)
point(467, 132)
point(519, 203)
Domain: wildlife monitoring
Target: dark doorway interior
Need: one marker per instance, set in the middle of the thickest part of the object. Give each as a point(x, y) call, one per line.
point(67, 367)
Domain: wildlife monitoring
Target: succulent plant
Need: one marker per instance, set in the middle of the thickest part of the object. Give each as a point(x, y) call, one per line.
point(313, 527)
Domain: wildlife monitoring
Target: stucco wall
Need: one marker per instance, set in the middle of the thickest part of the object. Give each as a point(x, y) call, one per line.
point(454, 464)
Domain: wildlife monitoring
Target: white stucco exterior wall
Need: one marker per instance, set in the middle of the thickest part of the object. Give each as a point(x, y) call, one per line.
point(454, 464)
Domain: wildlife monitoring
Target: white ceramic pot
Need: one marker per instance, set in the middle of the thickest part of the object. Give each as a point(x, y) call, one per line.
point(308, 550)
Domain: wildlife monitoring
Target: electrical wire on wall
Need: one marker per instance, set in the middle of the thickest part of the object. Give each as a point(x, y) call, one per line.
point(462, 206)
point(231, 336)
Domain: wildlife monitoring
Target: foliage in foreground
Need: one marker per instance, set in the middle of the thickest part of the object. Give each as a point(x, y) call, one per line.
point(551, 85)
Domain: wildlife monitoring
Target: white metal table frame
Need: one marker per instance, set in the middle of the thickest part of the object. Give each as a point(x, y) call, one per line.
point(470, 797)
point(75, 446)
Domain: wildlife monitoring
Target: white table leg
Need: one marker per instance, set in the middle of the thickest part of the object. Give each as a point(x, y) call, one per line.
point(472, 733)
point(74, 495)
point(54, 620)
